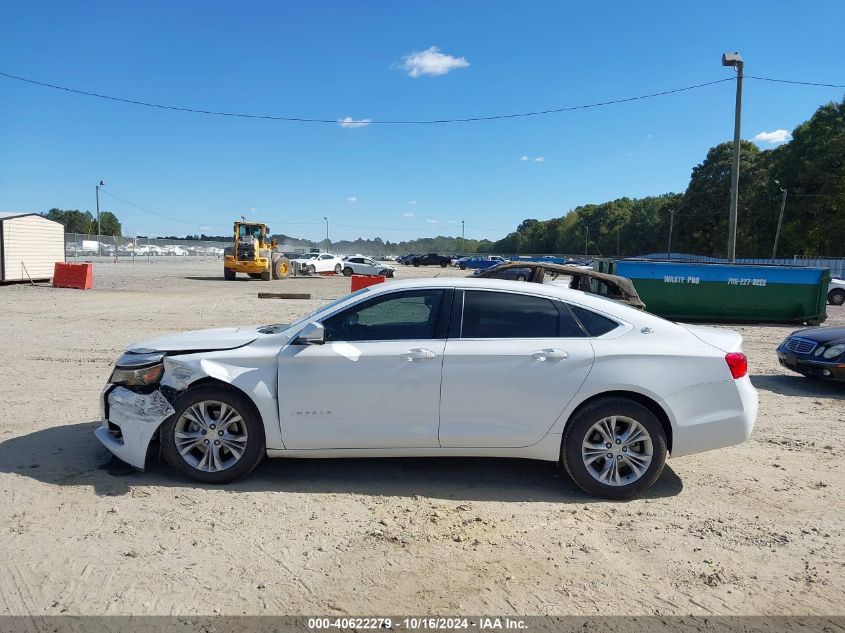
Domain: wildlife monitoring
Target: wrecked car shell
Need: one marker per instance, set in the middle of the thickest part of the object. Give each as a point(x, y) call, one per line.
point(613, 287)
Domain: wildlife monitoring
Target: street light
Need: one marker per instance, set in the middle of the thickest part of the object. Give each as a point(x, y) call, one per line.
point(102, 184)
point(780, 219)
point(328, 242)
point(734, 60)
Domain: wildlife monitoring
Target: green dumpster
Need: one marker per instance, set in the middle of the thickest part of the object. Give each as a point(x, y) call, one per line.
point(726, 292)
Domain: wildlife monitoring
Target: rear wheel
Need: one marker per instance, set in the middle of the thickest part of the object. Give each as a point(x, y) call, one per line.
point(265, 276)
point(337, 269)
point(836, 297)
point(229, 274)
point(214, 437)
point(520, 277)
point(462, 266)
point(416, 264)
point(444, 264)
point(614, 448)
point(347, 272)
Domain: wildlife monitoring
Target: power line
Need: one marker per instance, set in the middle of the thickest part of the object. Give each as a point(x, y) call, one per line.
point(368, 122)
point(799, 83)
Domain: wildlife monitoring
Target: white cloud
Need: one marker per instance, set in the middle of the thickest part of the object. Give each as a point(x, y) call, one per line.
point(352, 199)
point(450, 221)
point(205, 228)
point(349, 122)
point(430, 221)
point(524, 158)
point(431, 62)
point(777, 136)
point(253, 209)
point(409, 214)
point(412, 202)
point(539, 159)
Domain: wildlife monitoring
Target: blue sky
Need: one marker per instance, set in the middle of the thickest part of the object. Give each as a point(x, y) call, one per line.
point(334, 60)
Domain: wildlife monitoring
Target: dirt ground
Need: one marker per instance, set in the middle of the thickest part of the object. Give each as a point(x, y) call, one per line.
point(754, 529)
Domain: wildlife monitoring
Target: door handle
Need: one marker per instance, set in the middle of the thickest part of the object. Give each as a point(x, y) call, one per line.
point(417, 353)
point(549, 354)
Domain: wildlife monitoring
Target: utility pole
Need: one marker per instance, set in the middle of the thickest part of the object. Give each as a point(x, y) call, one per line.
point(97, 189)
point(735, 60)
point(463, 242)
point(671, 226)
point(780, 219)
point(328, 241)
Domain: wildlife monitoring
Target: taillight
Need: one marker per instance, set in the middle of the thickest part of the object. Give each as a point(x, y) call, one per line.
point(737, 363)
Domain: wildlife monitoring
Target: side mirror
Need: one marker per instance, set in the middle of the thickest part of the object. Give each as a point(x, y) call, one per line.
point(312, 334)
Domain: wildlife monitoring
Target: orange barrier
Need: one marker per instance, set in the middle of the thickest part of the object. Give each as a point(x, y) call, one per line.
point(362, 281)
point(73, 276)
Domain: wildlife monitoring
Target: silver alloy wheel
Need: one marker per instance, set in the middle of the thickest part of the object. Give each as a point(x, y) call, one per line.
point(210, 436)
point(617, 450)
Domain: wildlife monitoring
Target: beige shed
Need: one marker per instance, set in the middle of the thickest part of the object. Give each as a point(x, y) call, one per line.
point(30, 245)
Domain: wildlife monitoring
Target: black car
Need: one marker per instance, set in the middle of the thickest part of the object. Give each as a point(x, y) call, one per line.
point(432, 259)
point(516, 274)
point(817, 352)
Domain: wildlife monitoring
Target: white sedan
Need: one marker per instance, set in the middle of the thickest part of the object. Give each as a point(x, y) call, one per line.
point(433, 367)
point(320, 263)
point(360, 265)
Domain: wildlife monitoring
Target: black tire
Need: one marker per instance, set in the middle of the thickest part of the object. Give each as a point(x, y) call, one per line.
point(444, 264)
point(265, 276)
point(347, 272)
point(229, 274)
point(416, 264)
point(836, 297)
point(462, 266)
point(312, 269)
point(281, 268)
point(254, 275)
point(520, 277)
point(580, 427)
point(337, 269)
point(252, 454)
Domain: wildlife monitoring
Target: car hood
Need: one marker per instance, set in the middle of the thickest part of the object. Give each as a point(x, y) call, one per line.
point(725, 340)
point(201, 340)
point(822, 334)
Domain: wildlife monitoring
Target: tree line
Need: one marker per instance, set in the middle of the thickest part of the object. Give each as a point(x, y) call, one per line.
point(85, 222)
point(811, 167)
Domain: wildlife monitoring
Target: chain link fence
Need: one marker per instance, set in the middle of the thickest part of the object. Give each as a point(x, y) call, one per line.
point(108, 248)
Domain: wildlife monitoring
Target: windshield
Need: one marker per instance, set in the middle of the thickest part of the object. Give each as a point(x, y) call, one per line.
point(311, 314)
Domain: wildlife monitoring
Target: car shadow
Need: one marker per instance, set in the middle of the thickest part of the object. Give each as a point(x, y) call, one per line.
point(244, 279)
point(69, 455)
point(786, 385)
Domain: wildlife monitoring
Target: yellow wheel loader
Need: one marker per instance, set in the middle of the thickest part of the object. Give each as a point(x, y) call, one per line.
point(253, 253)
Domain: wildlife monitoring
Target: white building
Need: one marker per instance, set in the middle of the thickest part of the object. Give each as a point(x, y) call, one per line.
point(30, 245)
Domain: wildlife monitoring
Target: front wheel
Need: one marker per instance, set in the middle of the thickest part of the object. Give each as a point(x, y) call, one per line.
point(444, 264)
point(337, 269)
point(462, 266)
point(214, 437)
point(312, 269)
point(347, 272)
point(614, 448)
point(836, 297)
point(229, 274)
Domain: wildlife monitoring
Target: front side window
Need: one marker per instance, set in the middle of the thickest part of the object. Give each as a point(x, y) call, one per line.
point(398, 316)
point(512, 315)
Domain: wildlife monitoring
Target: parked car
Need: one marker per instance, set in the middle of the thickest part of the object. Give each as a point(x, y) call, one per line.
point(479, 261)
point(407, 259)
point(320, 263)
point(360, 265)
point(817, 352)
point(431, 259)
point(472, 367)
point(836, 292)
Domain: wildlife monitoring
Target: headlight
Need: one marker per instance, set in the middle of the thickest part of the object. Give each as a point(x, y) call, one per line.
point(142, 377)
point(819, 350)
point(138, 370)
point(834, 351)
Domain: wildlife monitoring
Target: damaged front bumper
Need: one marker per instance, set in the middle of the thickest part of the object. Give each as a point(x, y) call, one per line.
point(129, 422)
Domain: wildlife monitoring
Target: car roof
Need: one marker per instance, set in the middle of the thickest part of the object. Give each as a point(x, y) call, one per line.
point(555, 291)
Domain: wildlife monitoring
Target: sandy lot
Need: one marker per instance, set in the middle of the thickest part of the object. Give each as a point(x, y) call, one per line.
point(754, 529)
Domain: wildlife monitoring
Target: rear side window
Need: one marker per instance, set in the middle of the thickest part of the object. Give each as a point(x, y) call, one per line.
point(511, 315)
point(595, 324)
